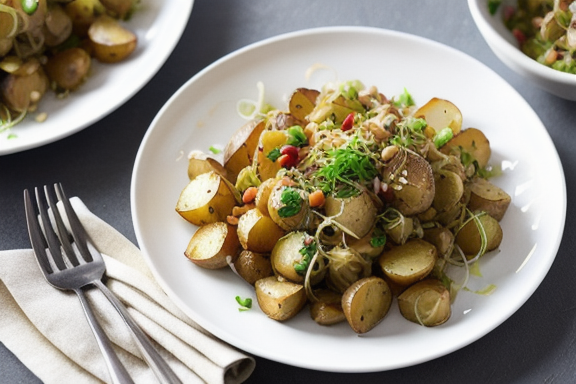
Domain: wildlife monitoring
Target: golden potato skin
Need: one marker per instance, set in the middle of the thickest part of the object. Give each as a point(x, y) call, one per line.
point(487, 197)
point(240, 150)
point(111, 42)
point(211, 244)
point(440, 113)
point(469, 240)
point(258, 233)
point(327, 309)
point(253, 266)
point(206, 199)
point(426, 303)
point(474, 142)
point(412, 180)
point(280, 300)
point(366, 302)
point(69, 68)
point(358, 212)
point(408, 263)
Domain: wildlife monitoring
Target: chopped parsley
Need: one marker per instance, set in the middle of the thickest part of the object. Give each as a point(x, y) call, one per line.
point(307, 252)
point(292, 201)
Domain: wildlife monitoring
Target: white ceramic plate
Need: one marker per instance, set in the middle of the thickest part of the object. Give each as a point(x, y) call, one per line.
point(202, 113)
point(158, 26)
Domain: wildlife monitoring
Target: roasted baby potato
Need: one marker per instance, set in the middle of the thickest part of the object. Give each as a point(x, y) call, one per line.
point(327, 309)
point(366, 302)
point(253, 266)
point(264, 191)
point(411, 178)
point(207, 199)
point(426, 303)
point(442, 238)
point(258, 233)
point(357, 213)
point(68, 68)
point(199, 163)
point(111, 42)
point(449, 190)
point(302, 102)
point(57, 26)
point(280, 300)
point(439, 114)
point(472, 141)
point(289, 207)
point(487, 197)
point(364, 245)
point(240, 150)
point(286, 256)
point(469, 240)
point(211, 244)
point(408, 263)
point(83, 13)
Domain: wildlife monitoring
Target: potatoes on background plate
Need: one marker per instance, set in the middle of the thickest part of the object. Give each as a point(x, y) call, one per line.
point(111, 42)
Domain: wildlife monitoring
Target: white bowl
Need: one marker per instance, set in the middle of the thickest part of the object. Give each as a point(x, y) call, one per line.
point(504, 45)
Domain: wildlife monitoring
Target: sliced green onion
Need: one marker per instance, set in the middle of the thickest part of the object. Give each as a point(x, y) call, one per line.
point(442, 137)
point(29, 6)
point(245, 304)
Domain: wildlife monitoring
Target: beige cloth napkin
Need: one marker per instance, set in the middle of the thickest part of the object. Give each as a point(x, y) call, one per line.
point(47, 330)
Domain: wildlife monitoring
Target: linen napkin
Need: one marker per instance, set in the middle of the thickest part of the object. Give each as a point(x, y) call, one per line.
point(47, 330)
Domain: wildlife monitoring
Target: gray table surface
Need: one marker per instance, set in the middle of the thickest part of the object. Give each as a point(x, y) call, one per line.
point(535, 345)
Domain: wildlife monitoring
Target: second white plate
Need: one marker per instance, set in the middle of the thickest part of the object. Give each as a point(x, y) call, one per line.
point(203, 113)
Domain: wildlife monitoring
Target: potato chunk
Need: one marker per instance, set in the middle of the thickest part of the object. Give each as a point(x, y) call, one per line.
point(408, 263)
point(206, 199)
point(111, 42)
point(280, 300)
point(257, 232)
point(366, 302)
point(211, 244)
point(426, 303)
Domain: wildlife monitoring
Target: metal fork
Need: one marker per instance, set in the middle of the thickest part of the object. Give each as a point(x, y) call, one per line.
point(74, 273)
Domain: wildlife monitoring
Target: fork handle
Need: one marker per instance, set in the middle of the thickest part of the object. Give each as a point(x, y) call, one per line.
point(117, 371)
point(161, 369)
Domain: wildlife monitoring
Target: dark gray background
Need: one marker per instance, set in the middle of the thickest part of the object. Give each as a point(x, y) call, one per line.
point(536, 345)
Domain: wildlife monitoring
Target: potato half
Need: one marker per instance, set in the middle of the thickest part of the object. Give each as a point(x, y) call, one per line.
point(469, 239)
point(356, 213)
point(366, 302)
point(253, 266)
point(327, 310)
point(206, 199)
point(487, 197)
point(408, 263)
point(426, 303)
point(258, 233)
point(241, 148)
point(439, 114)
point(211, 244)
point(474, 142)
point(280, 300)
point(110, 41)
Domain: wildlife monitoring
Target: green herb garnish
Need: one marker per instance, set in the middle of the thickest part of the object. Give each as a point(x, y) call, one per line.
point(344, 165)
point(404, 100)
point(442, 137)
point(308, 252)
point(292, 202)
point(493, 6)
point(378, 238)
point(296, 136)
point(274, 154)
point(214, 150)
point(245, 304)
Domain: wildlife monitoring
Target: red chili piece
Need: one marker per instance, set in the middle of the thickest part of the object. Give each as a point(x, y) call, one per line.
point(348, 122)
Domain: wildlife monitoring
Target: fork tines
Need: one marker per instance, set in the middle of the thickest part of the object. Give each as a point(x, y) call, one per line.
point(44, 236)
